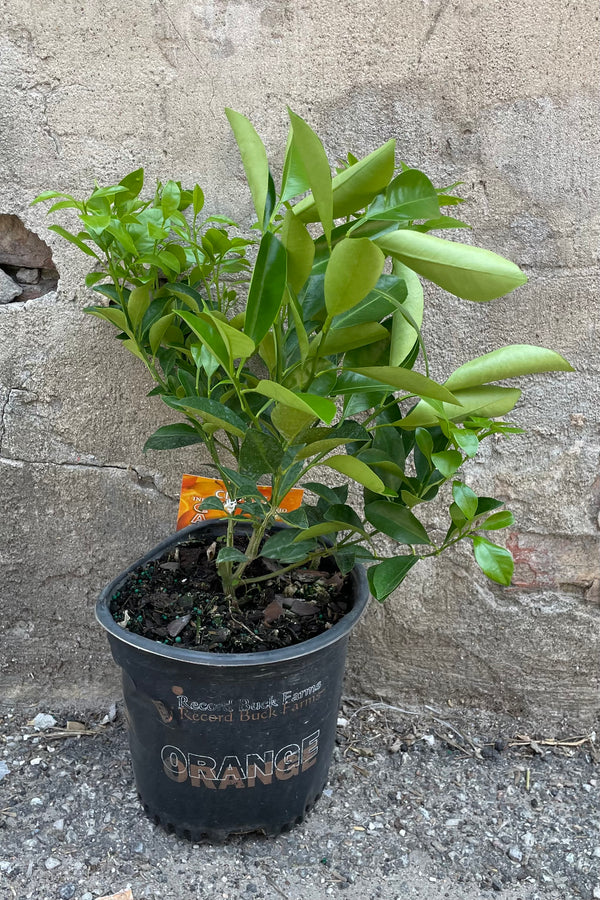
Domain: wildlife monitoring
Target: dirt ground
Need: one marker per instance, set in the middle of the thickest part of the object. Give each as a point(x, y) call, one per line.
point(418, 807)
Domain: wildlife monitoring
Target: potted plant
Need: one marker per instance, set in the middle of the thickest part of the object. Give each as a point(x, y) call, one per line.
point(291, 355)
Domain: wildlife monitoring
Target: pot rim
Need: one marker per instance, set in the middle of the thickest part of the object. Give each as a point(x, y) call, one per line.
point(224, 660)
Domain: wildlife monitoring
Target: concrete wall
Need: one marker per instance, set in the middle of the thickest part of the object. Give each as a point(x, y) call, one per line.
point(503, 96)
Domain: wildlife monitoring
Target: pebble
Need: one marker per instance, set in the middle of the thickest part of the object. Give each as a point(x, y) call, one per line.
point(28, 276)
point(36, 801)
point(87, 896)
point(67, 892)
point(596, 893)
point(596, 852)
point(515, 853)
point(43, 721)
point(52, 862)
point(59, 824)
point(4, 770)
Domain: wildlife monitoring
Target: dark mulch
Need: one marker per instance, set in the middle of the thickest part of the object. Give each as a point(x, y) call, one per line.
point(178, 600)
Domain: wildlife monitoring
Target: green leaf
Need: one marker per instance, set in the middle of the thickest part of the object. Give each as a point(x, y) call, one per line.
point(403, 334)
point(169, 437)
point(214, 412)
point(133, 347)
point(388, 575)
point(294, 180)
point(315, 164)
point(281, 546)
point(300, 249)
point(210, 336)
point(406, 380)
point(289, 421)
point(396, 521)
point(254, 159)
point(260, 454)
point(424, 442)
point(344, 515)
point(171, 195)
point(354, 187)
point(499, 520)
point(486, 401)
point(118, 231)
point(133, 184)
point(468, 272)
point(311, 404)
point(158, 330)
point(507, 362)
point(138, 303)
point(409, 196)
point(341, 340)
point(266, 288)
point(352, 272)
point(356, 470)
point(494, 561)
point(190, 297)
point(73, 239)
point(466, 440)
point(447, 462)
point(465, 499)
point(111, 314)
point(197, 199)
point(230, 554)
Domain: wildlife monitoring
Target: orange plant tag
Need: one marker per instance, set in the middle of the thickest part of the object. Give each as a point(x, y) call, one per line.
point(195, 489)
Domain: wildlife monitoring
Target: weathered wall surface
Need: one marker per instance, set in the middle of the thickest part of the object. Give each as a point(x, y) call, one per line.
point(501, 96)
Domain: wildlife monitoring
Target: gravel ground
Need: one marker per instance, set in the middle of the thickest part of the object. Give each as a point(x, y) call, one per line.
point(416, 807)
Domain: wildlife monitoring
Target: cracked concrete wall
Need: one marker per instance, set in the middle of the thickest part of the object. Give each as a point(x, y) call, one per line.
point(501, 96)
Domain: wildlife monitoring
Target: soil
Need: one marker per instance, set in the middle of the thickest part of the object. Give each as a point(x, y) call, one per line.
point(177, 600)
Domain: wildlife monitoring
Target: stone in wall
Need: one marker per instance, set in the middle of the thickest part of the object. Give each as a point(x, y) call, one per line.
point(26, 267)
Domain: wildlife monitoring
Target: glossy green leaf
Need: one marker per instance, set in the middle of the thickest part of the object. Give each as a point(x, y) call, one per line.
point(73, 239)
point(111, 314)
point(171, 195)
point(138, 303)
point(465, 499)
point(397, 522)
point(403, 333)
point(507, 362)
point(468, 272)
point(133, 347)
point(254, 159)
point(230, 554)
point(409, 196)
point(341, 340)
point(494, 561)
point(300, 249)
point(170, 437)
point(133, 184)
point(313, 160)
point(356, 470)
point(309, 404)
point(157, 331)
point(407, 380)
point(487, 400)
point(388, 575)
point(294, 180)
point(260, 454)
point(503, 519)
point(354, 187)
point(352, 272)
point(447, 462)
point(290, 422)
point(209, 335)
point(214, 412)
point(197, 199)
point(266, 288)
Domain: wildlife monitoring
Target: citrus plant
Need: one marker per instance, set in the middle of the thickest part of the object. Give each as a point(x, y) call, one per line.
point(299, 349)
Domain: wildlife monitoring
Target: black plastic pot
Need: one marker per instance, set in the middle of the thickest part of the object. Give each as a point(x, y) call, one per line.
point(229, 743)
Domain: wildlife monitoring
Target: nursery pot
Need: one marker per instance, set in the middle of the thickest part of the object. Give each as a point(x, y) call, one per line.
point(226, 743)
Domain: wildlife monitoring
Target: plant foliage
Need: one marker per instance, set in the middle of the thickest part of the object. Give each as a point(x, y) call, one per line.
point(311, 355)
